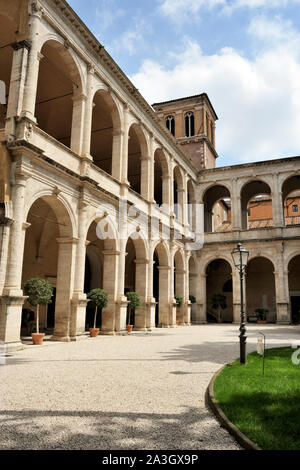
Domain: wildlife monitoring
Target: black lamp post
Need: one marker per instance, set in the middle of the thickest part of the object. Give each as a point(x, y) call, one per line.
point(240, 258)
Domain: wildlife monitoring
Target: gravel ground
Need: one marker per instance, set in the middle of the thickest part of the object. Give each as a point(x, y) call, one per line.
point(142, 391)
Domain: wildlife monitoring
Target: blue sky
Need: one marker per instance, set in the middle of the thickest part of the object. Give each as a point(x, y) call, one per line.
point(244, 53)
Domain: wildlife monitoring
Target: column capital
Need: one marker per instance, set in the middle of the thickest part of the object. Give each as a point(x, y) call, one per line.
point(21, 45)
point(142, 261)
point(111, 253)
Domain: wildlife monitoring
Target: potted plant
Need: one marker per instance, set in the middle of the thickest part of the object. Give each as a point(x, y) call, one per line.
point(192, 299)
point(99, 299)
point(179, 302)
point(219, 303)
point(39, 292)
point(133, 303)
point(261, 314)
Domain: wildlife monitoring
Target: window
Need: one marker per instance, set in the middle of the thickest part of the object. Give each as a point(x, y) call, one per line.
point(170, 123)
point(189, 124)
point(295, 208)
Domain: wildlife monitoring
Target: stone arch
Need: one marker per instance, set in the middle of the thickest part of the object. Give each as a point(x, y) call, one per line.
point(256, 204)
point(136, 278)
point(218, 272)
point(161, 177)
point(260, 286)
point(178, 190)
point(294, 287)
point(216, 210)
point(137, 152)
point(291, 200)
point(162, 284)
point(59, 93)
point(105, 132)
point(50, 254)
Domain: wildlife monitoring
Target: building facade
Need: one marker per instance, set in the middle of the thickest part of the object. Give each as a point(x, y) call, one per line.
point(97, 192)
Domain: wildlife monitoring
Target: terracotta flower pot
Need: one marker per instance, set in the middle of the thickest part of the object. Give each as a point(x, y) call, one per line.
point(94, 332)
point(177, 322)
point(261, 322)
point(129, 328)
point(37, 338)
point(220, 320)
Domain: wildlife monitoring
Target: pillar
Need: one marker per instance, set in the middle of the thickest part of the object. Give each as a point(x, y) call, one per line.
point(180, 275)
point(277, 203)
point(118, 145)
point(121, 308)
point(110, 283)
point(141, 287)
point(88, 114)
point(166, 317)
point(78, 124)
point(33, 65)
point(282, 292)
point(16, 89)
point(151, 301)
point(79, 299)
point(236, 219)
point(200, 314)
point(64, 290)
point(146, 180)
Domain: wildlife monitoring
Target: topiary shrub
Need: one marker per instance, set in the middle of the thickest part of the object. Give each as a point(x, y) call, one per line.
point(39, 292)
point(133, 302)
point(98, 299)
point(192, 299)
point(219, 303)
point(261, 313)
point(179, 300)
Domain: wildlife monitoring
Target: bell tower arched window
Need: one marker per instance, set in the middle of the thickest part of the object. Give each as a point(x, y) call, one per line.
point(170, 123)
point(189, 120)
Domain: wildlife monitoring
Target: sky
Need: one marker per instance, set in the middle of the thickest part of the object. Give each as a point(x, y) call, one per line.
point(245, 54)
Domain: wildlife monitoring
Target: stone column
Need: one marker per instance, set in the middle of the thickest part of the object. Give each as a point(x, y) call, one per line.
point(165, 319)
point(282, 292)
point(166, 193)
point(146, 180)
point(121, 309)
point(181, 194)
point(180, 275)
point(118, 145)
point(236, 219)
point(141, 287)
point(200, 316)
point(151, 301)
point(12, 299)
point(5, 224)
point(64, 289)
point(88, 118)
point(16, 89)
point(78, 124)
point(277, 203)
point(33, 64)
point(110, 284)
point(79, 299)
point(124, 159)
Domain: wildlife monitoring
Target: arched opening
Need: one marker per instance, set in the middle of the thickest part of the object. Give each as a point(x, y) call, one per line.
point(294, 289)
point(178, 196)
point(93, 273)
point(100, 273)
point(260, 288)
point(256, 205)
point(161, 285)
point(58, 84)
point(8, 36)
point(217, 209)
point(191, 200)
point(193, 287)
point(219, 291)
point(161, 174)
point(170, 124)
point(48, 255)
point(179, 284)
point(105, 122)
point(136, 270)
point(189, 123)
point(291, 200)
point(137, 149)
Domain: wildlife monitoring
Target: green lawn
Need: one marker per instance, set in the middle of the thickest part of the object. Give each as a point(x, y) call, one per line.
point(266, 409)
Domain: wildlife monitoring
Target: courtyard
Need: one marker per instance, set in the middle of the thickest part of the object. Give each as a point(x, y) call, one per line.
point(139, 391)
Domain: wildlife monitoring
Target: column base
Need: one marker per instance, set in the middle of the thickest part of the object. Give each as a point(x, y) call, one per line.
point(62, 339)
point(107, 333)
point(79, 337)
point(139, 329)
point(12, 347)
point(283, 322)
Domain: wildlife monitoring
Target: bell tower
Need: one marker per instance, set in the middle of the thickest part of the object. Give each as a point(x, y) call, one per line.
point(192, 121)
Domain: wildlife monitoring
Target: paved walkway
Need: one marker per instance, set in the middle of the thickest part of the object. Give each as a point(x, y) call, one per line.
point(144, 391)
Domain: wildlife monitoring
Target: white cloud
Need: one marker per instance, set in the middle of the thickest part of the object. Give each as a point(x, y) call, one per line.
point(258, 100)
point(182, 10)
point(107, 13)
point(131, 40)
